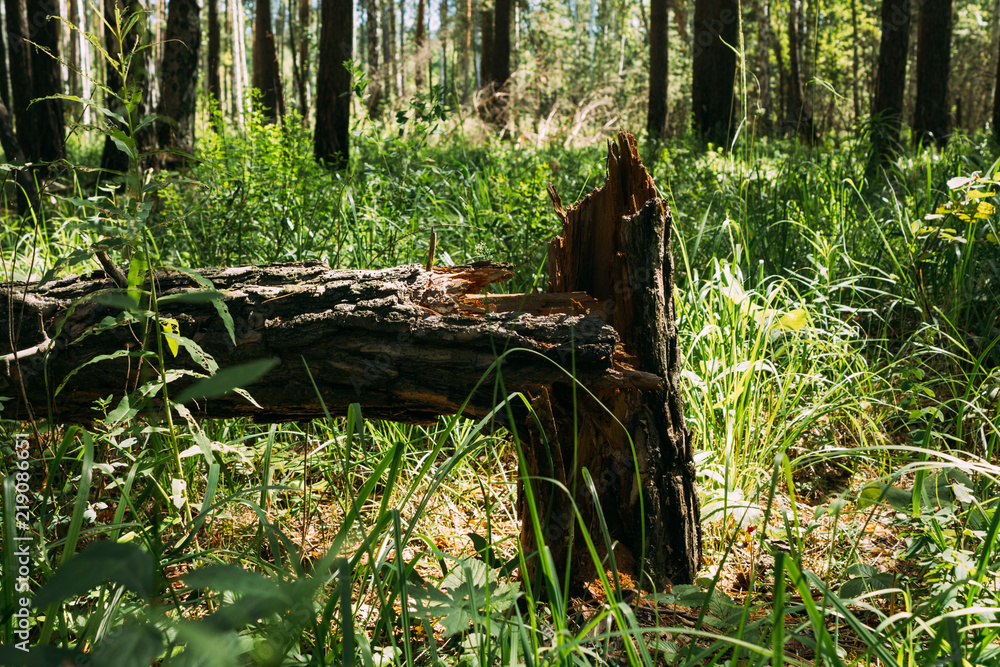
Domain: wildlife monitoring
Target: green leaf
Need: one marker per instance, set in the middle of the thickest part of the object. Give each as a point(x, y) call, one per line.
point(117, 299)
point(191, 296)
point(875, 492)
point(131, 644)
point(137, 274)
point(227, 380)
point(125, 143)
point(100, 563)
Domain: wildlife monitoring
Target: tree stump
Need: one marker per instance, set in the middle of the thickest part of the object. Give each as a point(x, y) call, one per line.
point(596, 359)
point(615, 247)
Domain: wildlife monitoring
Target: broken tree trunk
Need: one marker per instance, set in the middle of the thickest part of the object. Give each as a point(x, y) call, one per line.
point(632, 440)
point(596, 359)
point(406, 343)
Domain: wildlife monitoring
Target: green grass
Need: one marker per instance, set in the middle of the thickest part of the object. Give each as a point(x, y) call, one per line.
point(841, 374)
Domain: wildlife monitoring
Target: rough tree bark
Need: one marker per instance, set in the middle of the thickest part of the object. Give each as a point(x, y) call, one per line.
point(374, 44)
point(214, 46)
point(800, 119)
point(615, 247)
point(996, 102)
point(890, 82)
point(598, 367)
point(714, 69)
point(331, 139)
point(932, 115)
point(113, 158)
point(659, 43)
point(179, 82)
point(46, 75)
point(419, 54)
point(266, 75)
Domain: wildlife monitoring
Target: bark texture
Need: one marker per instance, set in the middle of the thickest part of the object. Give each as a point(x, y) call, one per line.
point(266, 75)
point(890, 81)
point(407, 343)
point(714, 69)
point(932, 114)
point(659, 42)
point(996, 102)
point(179, 80)
point(113, 158)
point(46, 74)
point(331, 139)
point(214, 46)
point(615, 248)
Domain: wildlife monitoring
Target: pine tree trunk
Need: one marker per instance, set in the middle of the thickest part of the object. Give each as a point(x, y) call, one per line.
point(465, 52)
point(305, 13)
point(486, 76)
point(388, 50)
point(114, 159)
point(179, 81)
point(890, 81)
point(333, 84)
point(501, 43)
point(996, 101)
point(22, 86)
point(714, 69)
point(659, 43)
point(932, 114)
point(239, 70)
point(765, 100)
point(418, 45)
point(214, 49)
point(266, 76)
point(374, 44)
point(801, 120)
point(855, 62)
point(46, 75)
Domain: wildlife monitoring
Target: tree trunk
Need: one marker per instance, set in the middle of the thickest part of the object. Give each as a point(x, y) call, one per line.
point(239, 55)
point(214, 48)
point(932, 115)
point(388, 16)
point(46, 75)
point(801, 120)
point(305, 12)
point(374, 44)
point(486, 56)
point(465, 52)
point(418, 44)
point(765, 103)
point(22, 87)
point(501, 43)
point(855, 62)
point(266, 75)
point(996, 101)
point(412, 344)
point(114, 159)
point(714, 69)
point(890, 81)
point(27, 192)
point(333, 84)
point(659, 42)
point(179, 82)
point(615, 247)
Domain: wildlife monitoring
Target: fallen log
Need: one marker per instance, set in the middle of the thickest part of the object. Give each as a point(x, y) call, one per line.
point(407, 343)
point(595, 358)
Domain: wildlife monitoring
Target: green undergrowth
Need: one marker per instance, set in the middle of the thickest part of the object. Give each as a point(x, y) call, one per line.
point(841, 377)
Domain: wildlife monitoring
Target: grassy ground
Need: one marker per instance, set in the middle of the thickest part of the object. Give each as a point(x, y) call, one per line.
point(841, 375)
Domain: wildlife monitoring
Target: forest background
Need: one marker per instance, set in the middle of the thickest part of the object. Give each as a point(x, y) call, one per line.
point(831, 167)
